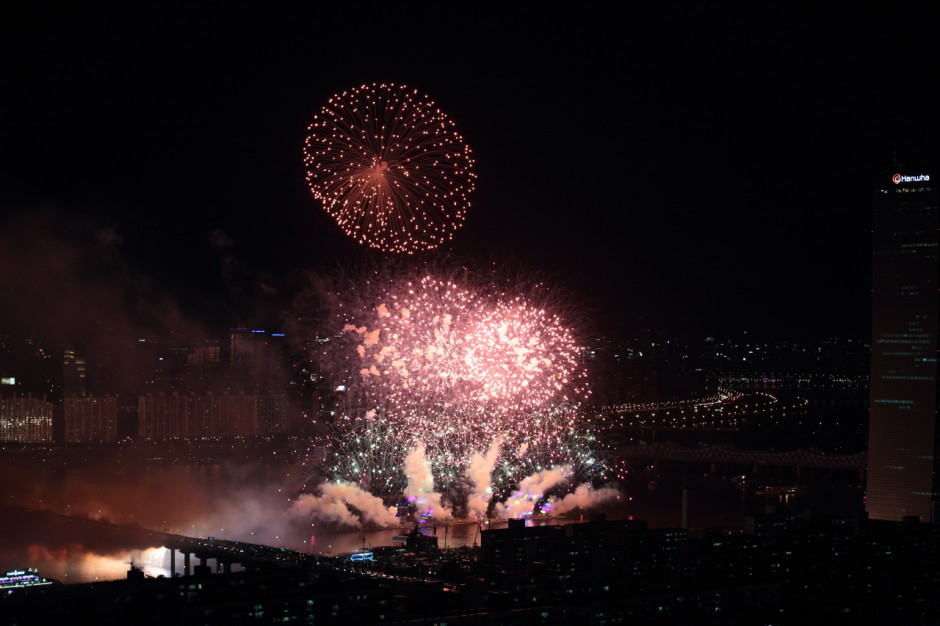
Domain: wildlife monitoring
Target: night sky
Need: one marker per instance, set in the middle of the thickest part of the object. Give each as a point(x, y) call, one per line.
point(699, 171)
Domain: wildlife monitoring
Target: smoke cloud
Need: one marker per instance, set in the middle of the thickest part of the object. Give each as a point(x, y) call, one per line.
point(532, 489)
point(420, 489)
point(70, 288)
point(343, 504)
point(480, 474)
point(584, 497)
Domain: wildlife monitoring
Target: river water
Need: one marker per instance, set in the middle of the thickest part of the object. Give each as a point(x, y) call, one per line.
point(656, 498)
point(246, 497)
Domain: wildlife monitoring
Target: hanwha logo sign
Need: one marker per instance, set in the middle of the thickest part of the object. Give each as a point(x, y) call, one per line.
point(897, 179)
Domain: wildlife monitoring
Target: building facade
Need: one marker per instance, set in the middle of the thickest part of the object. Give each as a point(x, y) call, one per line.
point(26, 419)
point(902, 434)
point(91, 419)
point(206, 416)
point(73, 374)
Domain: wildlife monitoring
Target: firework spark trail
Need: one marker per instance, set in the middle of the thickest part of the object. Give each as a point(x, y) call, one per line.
point(389, 167)
point(364, 451)
point(547, 439)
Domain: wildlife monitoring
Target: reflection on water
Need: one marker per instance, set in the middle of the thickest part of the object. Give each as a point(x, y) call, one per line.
point(75, 566)
point(247, 501)
point(448, 536)
point(712, 502)
point(71, 567)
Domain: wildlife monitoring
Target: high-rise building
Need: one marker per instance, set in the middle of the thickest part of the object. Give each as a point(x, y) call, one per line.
point(91, 419)
point(25, 419)
point(73, 374)
point(203, 364)
point(257, 359)
point(903, 434)
point(204, 416)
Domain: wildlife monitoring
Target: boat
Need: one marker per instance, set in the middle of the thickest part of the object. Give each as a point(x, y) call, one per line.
point(24, 579)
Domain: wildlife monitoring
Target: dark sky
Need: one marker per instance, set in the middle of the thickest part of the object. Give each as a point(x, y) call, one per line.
point(696, 170)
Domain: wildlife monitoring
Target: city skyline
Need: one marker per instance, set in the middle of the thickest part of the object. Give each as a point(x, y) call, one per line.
point(276, 284)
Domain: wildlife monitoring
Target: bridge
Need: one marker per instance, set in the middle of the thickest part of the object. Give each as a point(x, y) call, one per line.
point(727, 454)
point(254, 557)
point(227, 553)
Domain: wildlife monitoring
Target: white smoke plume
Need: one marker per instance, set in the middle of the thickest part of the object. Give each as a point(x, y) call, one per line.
point(344, 505)
point(480, 472)
point(420, 489)
point(532, 489)
point(585, 497)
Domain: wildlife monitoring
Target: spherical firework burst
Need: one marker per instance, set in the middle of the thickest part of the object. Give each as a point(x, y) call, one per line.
point(410, 346)
point(444, 357)
point(390, 168)
point(519, 355)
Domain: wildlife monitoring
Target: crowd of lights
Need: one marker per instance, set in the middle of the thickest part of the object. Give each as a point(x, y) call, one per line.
point(390, 168)
point(800, 380)
point(722, 396)
point(731, 413)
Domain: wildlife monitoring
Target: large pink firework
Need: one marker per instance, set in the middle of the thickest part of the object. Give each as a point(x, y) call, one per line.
point(519, 356)
point(456, 365)
point(389, 167)
point(445, 360)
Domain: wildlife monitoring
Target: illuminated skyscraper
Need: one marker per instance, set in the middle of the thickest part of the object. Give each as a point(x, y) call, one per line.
point(25, 419)
point(73, 374)
point(902, 433)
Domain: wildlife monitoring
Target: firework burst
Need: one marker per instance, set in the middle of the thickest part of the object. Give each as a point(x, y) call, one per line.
point(462, 372)
point(390, 168)
point(364, 451)
point(429, 345)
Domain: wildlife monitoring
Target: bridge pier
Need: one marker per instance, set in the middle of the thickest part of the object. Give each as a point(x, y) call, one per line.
point(219, 557)
point(202, 569)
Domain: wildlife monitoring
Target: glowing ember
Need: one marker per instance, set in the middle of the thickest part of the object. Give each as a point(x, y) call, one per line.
point(390, 168)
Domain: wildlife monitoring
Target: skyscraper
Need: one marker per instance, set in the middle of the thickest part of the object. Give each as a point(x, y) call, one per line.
point(73, 374)
point(902, 433)
point(25, 419)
